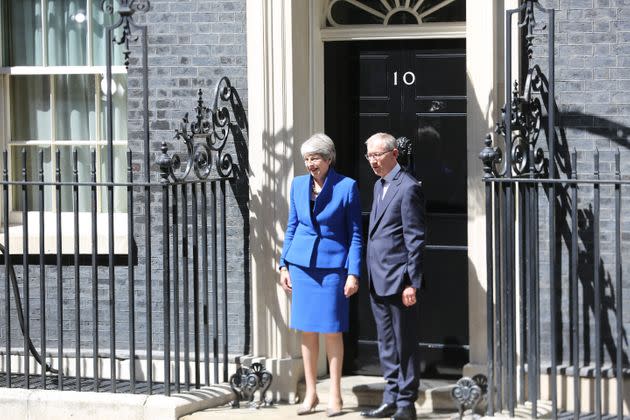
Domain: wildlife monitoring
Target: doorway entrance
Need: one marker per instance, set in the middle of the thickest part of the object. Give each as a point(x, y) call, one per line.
point(415, 89)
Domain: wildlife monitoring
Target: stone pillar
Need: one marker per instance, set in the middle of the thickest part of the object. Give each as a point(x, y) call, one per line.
point(484, 62)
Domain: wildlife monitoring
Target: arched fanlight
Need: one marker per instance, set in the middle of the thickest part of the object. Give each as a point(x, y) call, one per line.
point(388, 12)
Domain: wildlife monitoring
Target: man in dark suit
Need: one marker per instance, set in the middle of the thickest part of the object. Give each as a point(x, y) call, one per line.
point(394, 261)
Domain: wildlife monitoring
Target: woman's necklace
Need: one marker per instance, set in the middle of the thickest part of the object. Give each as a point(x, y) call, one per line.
point(316, 189)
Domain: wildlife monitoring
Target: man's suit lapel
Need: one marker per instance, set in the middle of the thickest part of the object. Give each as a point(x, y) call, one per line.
point(389, 197)
point(378, 189)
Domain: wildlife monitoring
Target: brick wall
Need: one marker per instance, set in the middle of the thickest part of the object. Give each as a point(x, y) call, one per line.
point(592, 68)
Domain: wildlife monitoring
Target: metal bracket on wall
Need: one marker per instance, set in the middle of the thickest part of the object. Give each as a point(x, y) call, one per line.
point(246, 381)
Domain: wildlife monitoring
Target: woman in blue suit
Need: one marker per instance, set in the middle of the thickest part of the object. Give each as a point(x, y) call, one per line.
point(321, 262)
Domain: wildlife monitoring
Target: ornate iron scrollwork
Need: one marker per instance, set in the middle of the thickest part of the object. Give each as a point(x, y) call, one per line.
point(246, 381)
point(205, 139)
point(526, 157)
point(468, 392)
point(126, 10)
point(526, 120)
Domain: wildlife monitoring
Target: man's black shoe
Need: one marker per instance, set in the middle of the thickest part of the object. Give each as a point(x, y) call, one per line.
point(405, 413)
point(385, 410)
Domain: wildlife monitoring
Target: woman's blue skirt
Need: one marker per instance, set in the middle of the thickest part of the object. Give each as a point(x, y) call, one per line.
point(318, 302)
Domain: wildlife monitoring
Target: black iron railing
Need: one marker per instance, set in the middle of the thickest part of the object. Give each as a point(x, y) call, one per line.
point(554, 254)
point(191, 246)
point(123, 284)
point(590, 282)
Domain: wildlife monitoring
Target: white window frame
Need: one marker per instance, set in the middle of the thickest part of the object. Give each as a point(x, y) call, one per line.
point(67, 217)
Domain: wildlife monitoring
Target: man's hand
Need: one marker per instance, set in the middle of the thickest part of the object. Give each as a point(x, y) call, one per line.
point(352, 286)
point(285, 280)
point(409, 296)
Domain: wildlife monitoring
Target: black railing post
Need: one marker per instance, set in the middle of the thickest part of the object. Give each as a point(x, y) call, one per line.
point(534, 296)
point(488, 156)
point(522, 288)
point(552, 210)
point(215, 282)
point(95, 317)
point(536, 279)
point(195, 283)
point(500, 276)
point(77, 284)
point(574, 289)
point(176, 326)
point(508, 212)
point(510, 298)
point(618, 287)
point(59, 273)
point(25, 275)
point(147, 204)
point(185, 279)
point(42, 268)
point(110, 207)
point(131, 275)
point(165, 163)
point(205, 290)
point(597, 295)
point(530, 255)
point(224, 275)
point(7, 264)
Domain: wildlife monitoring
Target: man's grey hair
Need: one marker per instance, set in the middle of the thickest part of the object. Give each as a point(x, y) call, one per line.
point(388, 140)
point(319, 144)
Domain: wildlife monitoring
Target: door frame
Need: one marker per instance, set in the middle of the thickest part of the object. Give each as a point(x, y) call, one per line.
point(285, 89)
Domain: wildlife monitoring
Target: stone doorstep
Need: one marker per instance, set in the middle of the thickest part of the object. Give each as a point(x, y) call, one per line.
point(367, 391)
point(23, 404)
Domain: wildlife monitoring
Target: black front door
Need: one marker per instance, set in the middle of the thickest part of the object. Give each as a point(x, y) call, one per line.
point(415, 89)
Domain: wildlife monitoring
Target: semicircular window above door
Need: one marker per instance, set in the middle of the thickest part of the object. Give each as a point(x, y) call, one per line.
point(394, 12)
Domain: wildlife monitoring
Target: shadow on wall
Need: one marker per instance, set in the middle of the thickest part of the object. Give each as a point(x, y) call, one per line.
point(618, 135)
point(240, 189)
point(269, 206)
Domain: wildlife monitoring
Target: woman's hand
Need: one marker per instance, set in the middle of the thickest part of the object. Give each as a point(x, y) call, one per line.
point(352, 285)
point(285, 280)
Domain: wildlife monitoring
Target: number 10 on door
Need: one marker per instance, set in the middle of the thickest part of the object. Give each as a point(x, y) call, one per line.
point(408, 78)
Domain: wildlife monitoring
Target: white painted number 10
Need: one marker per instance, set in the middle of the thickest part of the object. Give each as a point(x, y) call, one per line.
point(409, 78)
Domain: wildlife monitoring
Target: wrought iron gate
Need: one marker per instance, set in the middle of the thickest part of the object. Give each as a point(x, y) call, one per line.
point(175, 231)
point(554, 256)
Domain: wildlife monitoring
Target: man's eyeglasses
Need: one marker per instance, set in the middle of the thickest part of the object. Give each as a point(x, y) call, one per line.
point(376, 156)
